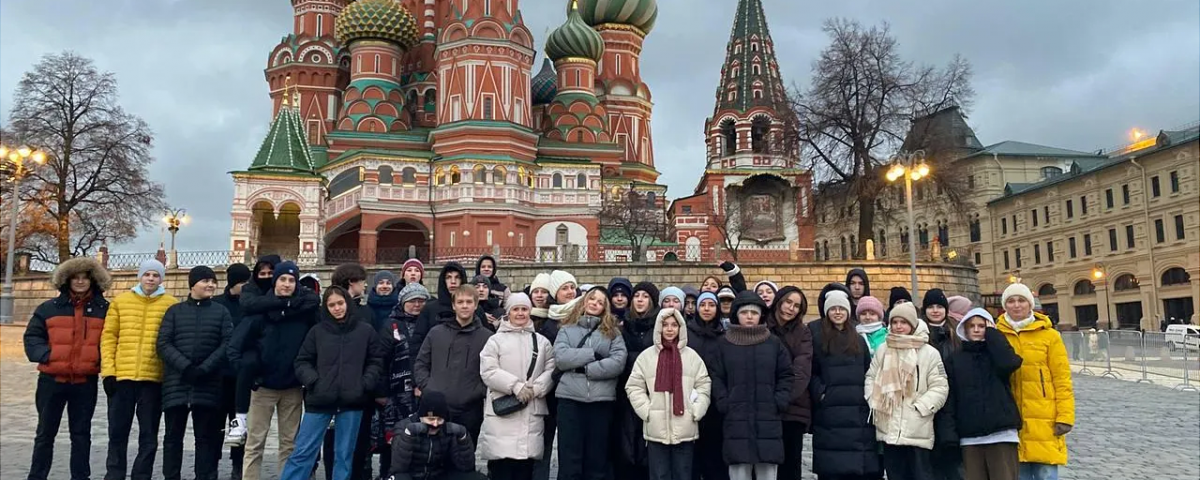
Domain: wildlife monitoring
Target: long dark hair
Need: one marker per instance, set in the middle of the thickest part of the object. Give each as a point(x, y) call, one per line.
point(839, 342)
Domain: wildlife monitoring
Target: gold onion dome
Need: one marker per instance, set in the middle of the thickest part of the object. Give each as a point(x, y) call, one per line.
point(377, 20)
point(574, 39)
point(639, 14)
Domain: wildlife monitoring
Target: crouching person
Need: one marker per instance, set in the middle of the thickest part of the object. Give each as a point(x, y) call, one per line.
point(429, 447)
point(340, 363)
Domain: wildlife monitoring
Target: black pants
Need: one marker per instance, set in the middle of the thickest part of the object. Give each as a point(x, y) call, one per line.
point(230, 406)
point(793, 450)
point(509, 469)
point(541, 470)
point(131, 399)
point(583, 439)
point(245, 384)
point(906, 463)
point(206, 429)
point(444, 476)
point(470, 416)
point(708, 461)
point(79, 400)
point(947, 462)
point(670, 462)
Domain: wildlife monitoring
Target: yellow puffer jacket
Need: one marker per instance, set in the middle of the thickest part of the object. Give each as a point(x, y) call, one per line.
point(127, 346)
point(1042, 388)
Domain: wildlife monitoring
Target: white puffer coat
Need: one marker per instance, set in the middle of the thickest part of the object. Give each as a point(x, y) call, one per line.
point(502, 365)
point(660, 425)
point(911, 422)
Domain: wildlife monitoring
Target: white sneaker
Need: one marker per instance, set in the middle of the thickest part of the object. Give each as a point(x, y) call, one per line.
point(235, 435)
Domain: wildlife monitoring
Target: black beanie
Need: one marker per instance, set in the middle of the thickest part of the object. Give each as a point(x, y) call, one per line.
point(650, 289)
point(934, 296)
point(198, 273)
point(434, 403)
point(237, 273)
point(897, 294)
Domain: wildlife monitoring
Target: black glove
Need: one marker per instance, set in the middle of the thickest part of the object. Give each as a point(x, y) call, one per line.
point(190, 374)
point(730, 269)
point(110, 384)
point(455, 430)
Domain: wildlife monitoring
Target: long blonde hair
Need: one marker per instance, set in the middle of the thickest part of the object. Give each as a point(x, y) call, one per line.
point(608, 323)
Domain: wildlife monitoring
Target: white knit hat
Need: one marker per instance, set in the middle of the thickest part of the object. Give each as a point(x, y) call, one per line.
point(1017, 289)
point(836, 298)
point(517, 299)
point(542, 281)
point(558, 278)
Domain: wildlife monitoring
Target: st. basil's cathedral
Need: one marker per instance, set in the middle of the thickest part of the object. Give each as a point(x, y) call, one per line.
point(417, 128)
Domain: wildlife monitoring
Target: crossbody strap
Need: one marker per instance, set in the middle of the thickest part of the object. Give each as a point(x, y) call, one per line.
point(532, 361)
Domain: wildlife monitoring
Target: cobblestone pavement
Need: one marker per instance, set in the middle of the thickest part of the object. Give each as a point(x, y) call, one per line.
point(1124, 430)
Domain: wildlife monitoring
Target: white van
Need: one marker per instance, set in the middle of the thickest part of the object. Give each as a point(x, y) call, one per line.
point(1179, 336)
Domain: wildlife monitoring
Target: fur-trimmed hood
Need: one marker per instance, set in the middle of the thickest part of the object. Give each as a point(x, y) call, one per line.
point(62, 275)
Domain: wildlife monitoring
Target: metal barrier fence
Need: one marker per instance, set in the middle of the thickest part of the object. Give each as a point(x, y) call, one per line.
point(1136, 355)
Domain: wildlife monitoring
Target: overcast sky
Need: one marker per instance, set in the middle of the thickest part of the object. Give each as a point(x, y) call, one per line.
point(1068, 73)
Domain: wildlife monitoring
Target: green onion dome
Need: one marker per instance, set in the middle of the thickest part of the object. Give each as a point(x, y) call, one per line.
point(635, 13)
point(378, 20)
point(574, 39)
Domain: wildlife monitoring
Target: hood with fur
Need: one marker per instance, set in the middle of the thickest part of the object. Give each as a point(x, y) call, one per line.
point(61, 279)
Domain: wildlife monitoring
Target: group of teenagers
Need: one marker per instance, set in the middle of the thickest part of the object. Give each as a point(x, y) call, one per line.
point(720, 382)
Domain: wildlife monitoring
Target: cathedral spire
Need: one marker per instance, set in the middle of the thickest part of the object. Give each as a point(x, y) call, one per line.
point(750, 76)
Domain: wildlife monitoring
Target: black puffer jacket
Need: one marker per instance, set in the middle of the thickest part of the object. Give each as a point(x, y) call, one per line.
point(269, 342)
point(435, 309)
point(796, 336)
point(191, 343)
point(425, 456)
point(980, 392)
point(752, 384)
point(340, 365)
point(843, 437)
point(233, 304)
point(448, 362)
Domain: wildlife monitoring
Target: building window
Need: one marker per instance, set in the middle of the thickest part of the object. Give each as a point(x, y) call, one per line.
point(1033, 217)
point(1160, 234)
point(923, 235)
point(1126, 282)
point(452, 239)
point(1087, 244)
point(1112, 239)
point(499, 175)
point(944, 234)
point(1037, 254)
point(1125, 194)
point(1108, 198)
point(1070, 209)
point(1174, 182)
point(1155, 188)
point(1046, 214)
point(487, 108)
point(882, 243)
point(1050, 252)
point(385, 175)
point(1129, 236)
point(1006, 259)
point(1175, 276)
point(843, 248)
point(479, 174)
point(976, 234)
point(1014, 224)
point(978, 258)
point(970, 181)
point(560, 235)
point(1071, 247)
point(378, 61)
point(1179, 227)
point(581, 181)
point(1083, 205)
point(557, 181)
point(437, 176)
point(1017, 253)
point(687, 209)
point(1051, 172)
point(1004, 226)
point(408, 176)
point(1084, 287)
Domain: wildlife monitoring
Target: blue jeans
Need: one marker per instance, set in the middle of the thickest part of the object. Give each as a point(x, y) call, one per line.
point(1038, 471)
point(308, 441)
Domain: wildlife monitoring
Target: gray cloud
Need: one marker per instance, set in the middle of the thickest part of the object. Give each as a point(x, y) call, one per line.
point(1074, 74)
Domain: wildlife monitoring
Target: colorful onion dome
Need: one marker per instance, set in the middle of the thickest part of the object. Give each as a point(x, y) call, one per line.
point(544, 86)
point(379, 20)
point(574, 39)
point(640, 14)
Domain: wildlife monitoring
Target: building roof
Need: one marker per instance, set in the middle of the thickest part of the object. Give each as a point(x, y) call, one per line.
point(285, 149)
point(1013, 148)
point(945, 130)
point(751, 34)
point(1165, 140)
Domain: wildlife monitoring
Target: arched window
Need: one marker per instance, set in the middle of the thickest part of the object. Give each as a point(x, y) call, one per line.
point(408, 176)
point(431, 100)
point(670, 257)
point(881, 243)
point(479, 174)
point(521, 174)
point(1047, 290)
point(759, 130)
point(385, 175)
point(581, 182)
point(1175, 276)
point(455, 175)
point(1051, 172)
point(944, 233)
point(976, 234)
point(438, 176)
point(853, 246)
point(728, 137)
point(1125, 283)
point(411, 104)
point(1084, 287)
point(499, 175)
point(843, 252)
point(825, 248)
point(557, 181)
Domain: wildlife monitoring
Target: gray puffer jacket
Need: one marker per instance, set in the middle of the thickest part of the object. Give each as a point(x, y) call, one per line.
point(590, 372)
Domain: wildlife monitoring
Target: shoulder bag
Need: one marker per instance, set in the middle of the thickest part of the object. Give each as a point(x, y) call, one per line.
point(510, 404)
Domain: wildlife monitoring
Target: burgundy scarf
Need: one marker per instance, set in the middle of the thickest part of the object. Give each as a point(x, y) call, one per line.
point(669, 377)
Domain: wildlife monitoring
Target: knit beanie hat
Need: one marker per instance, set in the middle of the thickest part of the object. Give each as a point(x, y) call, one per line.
point(200, 273)
point(384, 275)
point(707, 296)
point(237, 273)
point(413, 291)
point(587, 287)
point(542, 281)
point(433, 403)
point(412, 262)
point(897, 294)
point(934, 296)
point(726, 292)
point(152, 265)
point(671, 292)
point(287, 268)
point(517, 299)
point(959, 306)
point(651, 290)
point(558, 278)
point(907, 311)
point(482, 279)
point(869, 304)
point(690, 291)
point(836, 298)
point(1018, 289)
point(774, 288)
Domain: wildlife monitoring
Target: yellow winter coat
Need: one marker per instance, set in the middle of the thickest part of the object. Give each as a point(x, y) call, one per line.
point(1042, 388)
point(127, 346)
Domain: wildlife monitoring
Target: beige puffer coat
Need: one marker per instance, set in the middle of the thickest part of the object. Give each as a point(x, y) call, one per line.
point(502, 365)
point(911, 422)
point(654, 408)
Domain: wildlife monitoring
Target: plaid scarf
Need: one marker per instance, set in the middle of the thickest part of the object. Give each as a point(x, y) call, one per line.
point(897, 372)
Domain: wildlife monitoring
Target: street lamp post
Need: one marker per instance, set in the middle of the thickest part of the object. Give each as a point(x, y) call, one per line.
point(175, 219)
point(16, 158)
point(912, 167)
point(1098, 274)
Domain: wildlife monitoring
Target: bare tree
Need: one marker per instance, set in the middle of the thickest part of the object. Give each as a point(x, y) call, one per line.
point(729, 226)
point(633, 219)
point(95, 185)
point(863, 99)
